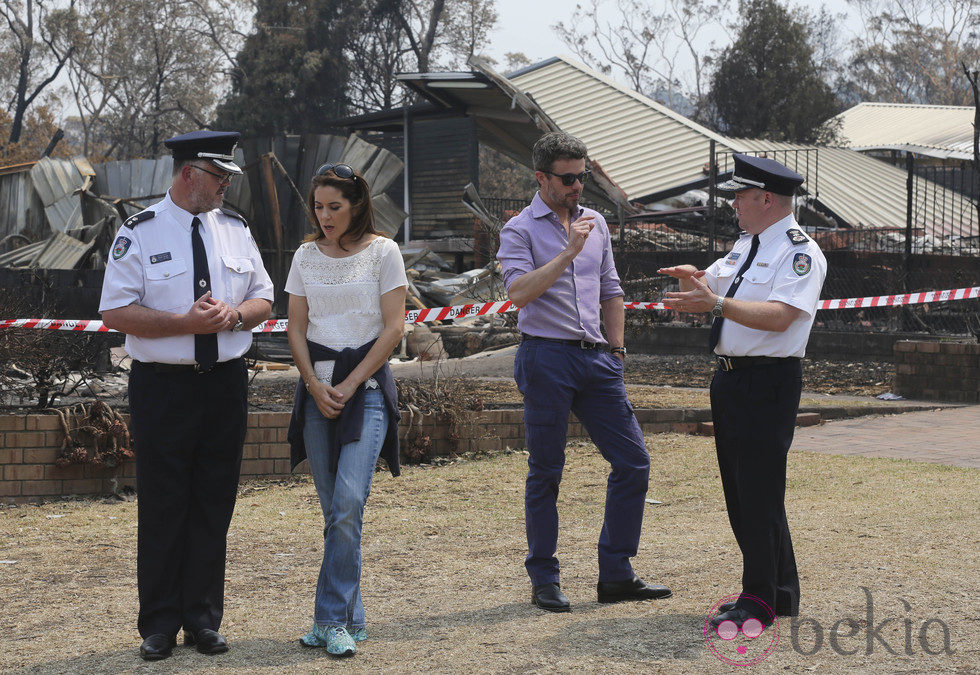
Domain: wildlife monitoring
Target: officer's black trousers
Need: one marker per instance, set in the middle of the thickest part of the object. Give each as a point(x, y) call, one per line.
point(188, 431)
point(754, 413)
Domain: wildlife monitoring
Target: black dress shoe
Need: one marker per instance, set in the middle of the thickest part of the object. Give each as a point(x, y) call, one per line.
point(550, 597)
point(208, 641)
point(632, 589)
point(739, 616)
point(157, 647)
point(729, 606)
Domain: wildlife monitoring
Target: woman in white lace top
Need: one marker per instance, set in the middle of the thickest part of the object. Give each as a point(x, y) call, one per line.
point(346, 291)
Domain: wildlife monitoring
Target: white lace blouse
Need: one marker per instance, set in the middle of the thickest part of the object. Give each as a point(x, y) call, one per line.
point(344, 294)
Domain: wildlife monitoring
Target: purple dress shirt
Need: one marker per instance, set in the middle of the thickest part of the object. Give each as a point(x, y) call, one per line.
point(570, 308)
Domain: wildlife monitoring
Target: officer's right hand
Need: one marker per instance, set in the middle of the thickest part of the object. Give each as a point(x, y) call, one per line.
point(207, 316)
point(578, 232)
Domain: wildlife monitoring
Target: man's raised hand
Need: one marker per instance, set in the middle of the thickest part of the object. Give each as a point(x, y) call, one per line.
point(578, 232)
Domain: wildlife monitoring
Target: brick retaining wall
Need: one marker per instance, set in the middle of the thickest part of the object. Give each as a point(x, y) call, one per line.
point(29, 445)
point(938, 371)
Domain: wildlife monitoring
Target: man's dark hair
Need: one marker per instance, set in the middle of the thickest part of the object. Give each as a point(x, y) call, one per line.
point(554, 146)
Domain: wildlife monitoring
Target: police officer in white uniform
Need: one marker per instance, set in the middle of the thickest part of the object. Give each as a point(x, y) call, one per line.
point(764, 297)
point(185, 283)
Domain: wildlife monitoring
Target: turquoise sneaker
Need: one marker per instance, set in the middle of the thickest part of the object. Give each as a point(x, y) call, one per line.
point(359, 634)
point(339, 641)
point(317, 637)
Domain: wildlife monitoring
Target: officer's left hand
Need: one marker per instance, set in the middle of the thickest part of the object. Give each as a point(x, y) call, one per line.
point(700, 299)
point(228, 315)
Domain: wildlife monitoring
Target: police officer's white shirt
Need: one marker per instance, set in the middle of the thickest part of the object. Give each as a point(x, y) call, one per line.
point(781, 271)
point(152, 265)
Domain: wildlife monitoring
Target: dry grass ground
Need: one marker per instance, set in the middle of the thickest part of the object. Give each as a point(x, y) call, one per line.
point(504, 394)
point(445, 588)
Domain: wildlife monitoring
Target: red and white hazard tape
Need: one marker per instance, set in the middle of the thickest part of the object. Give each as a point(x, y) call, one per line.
point(481, 309)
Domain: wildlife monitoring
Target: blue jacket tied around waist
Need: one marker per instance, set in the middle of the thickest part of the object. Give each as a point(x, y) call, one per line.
point(347, 427)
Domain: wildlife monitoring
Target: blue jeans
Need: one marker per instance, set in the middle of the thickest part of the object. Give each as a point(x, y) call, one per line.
point(342, 497)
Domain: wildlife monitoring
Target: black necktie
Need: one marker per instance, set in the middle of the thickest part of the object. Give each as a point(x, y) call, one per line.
point(205, 346)
point(716, 324)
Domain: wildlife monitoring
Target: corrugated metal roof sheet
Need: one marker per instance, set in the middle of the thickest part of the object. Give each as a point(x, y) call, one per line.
point(21, 211)
point(646, 147)
point(55, 179)
point(649, 149)
point(943, 131)
point(56, 182)
point(865, 192)
point(135, 179)
point(59, 252)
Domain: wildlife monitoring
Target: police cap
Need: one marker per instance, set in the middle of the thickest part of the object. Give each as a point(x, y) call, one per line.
point(218, 147)
point(760, 172)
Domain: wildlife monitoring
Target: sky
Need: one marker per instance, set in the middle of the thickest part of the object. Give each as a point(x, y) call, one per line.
point(525, 26)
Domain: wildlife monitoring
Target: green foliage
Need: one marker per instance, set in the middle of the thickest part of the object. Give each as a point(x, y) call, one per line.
point(767, 84)
point(292, 74)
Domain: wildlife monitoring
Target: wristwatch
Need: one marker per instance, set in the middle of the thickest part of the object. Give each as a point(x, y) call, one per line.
point(618, 350)
point(241, 323)
point(719, 306)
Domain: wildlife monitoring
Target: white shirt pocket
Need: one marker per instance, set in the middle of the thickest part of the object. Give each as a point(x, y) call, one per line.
point(167, 285)
point(237, 275)
point(756, 283)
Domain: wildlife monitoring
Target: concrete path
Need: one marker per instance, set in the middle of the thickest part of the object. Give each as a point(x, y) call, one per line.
point(948, 436)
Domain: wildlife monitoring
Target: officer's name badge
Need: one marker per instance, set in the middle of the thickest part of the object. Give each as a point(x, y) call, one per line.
point(120, 247)
point(762, 264)
point(160, 257)
point(801, 264)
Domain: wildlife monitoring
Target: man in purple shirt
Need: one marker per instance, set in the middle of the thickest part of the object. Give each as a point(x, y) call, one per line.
point(558, 268)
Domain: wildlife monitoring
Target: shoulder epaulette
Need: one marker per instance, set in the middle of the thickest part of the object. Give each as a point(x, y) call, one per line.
point(234, 214)
point(133, 221)
point(796, 236)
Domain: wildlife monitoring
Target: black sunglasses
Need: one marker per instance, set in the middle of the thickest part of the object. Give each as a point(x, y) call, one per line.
point(339, 170)
point(568, 179)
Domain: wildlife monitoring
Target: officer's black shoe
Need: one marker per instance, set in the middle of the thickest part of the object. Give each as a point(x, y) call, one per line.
point(208, 641)
point(780, 611)
point(157, 647)
point(739, 616)
point(550, 597)
point(631, 589)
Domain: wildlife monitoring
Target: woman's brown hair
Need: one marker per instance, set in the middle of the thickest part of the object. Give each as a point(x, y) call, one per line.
point(356, 191)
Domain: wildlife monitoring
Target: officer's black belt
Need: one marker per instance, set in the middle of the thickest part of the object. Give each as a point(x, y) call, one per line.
point(582, 344)
point(735, 362)
point(187, 368)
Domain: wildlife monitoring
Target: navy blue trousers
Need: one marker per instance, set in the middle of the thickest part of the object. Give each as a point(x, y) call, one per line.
point(754, 413)
point(556, 379)
point(188, 431)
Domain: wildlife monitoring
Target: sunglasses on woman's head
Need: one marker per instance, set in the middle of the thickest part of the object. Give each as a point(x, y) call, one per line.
point(568, 179)
point(339, 170)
